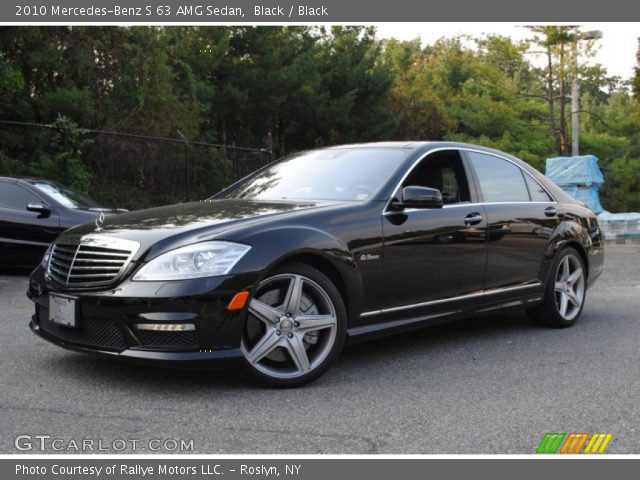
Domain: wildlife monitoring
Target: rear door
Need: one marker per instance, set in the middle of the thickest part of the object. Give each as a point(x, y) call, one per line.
point(521, 216)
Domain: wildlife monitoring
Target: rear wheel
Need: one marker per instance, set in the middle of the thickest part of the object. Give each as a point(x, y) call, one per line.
point(295, 327)
point(565, 291)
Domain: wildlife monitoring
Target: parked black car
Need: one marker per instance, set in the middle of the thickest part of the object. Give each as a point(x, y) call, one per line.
point(32, 214)
point(340, 244)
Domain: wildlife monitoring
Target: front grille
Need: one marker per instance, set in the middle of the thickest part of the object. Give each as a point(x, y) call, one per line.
point(168, 339)
point(93, 332)
point(94, 261)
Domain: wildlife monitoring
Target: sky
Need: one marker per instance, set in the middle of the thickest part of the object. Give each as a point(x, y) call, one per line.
point(616, 50)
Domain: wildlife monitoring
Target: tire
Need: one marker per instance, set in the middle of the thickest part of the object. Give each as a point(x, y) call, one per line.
point(281, 346)
point(565, 291)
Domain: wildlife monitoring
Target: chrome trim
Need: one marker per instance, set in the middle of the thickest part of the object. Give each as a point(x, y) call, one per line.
point(481, 293)
point(167, 327)
point(68, 250)
point(72, 261)
point(463, 204)
point(464, 149)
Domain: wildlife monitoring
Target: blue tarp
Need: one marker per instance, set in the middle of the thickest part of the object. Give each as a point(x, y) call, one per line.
point(581, 170)
point(587, 195)
point(579, 176)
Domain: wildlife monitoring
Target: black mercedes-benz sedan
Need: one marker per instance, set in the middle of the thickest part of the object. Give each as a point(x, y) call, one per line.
point(275, 273)
point(33, 212)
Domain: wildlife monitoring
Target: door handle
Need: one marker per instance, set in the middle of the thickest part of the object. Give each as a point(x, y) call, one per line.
point(550, 211)
point(473, 219)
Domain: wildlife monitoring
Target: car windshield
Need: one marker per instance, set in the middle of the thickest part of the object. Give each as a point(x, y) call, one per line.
point(65, 196)
point(353, 174)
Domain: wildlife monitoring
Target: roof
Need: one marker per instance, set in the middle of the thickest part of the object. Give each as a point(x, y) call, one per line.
point(23, 178)
point(398, 144)
point(418, 144)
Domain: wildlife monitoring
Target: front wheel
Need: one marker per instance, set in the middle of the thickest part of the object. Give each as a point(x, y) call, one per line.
point(295, 327)
point(565, 291)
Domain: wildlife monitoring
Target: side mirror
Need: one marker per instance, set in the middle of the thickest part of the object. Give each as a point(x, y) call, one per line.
point(421, 197)
point(42, 210)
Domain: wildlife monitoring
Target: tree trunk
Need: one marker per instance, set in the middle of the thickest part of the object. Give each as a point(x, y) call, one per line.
point(552, 118)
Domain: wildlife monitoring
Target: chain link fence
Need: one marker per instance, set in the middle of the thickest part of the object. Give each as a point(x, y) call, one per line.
point(125, 170)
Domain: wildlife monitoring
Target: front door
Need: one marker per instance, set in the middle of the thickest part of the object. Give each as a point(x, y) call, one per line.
point(432, 255)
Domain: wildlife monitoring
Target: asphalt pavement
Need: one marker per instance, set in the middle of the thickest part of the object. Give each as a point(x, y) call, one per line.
point(489, 385)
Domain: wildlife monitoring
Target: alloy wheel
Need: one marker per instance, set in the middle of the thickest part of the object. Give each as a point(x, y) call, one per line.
point(291, 327)
point(569, 287)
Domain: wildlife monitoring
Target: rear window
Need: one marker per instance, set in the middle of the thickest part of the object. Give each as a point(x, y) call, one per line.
point(500, 180)
point(537, 193)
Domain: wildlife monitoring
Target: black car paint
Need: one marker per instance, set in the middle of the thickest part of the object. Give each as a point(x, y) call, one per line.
point(381, 261)
point(25, 235)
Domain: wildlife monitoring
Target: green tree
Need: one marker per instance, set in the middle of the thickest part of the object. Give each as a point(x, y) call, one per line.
point(635, 81)
point(290, 88)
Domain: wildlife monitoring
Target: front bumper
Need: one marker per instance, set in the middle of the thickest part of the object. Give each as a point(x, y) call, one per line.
point(108, 320)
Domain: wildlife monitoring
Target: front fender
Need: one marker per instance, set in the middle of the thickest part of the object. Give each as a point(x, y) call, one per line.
point(273, 246)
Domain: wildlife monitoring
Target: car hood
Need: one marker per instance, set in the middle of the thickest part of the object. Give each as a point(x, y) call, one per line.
point(70, 217)
point(174, 225)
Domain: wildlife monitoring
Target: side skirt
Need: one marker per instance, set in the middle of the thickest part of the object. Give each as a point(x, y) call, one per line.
point(385, 328)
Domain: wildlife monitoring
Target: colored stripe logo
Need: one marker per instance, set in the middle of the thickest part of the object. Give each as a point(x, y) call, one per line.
point(574, 442)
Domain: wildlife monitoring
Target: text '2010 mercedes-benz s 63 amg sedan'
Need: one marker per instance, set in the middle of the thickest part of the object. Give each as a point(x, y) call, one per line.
point(277, 272)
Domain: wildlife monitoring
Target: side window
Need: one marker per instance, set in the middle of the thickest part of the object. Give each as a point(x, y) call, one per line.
point(500, 180)
point(444, 171)
point(15, 197)
point(537, 193)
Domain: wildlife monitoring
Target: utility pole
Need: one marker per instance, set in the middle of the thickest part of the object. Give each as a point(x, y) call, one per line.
point(575, 90)
point(575, 102)
point(564, 138)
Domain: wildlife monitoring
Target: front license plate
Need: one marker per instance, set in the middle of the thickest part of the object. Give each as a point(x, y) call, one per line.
point(62, 310)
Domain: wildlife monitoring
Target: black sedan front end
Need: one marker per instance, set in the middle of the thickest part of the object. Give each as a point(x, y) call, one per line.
point(180, 322)
point(171, 285)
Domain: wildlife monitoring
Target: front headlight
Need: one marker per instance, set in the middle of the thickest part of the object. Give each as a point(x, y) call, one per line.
point(205, 259)
point(45, 259)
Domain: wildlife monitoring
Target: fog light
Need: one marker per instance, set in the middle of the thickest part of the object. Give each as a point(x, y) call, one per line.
point(167, 327)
